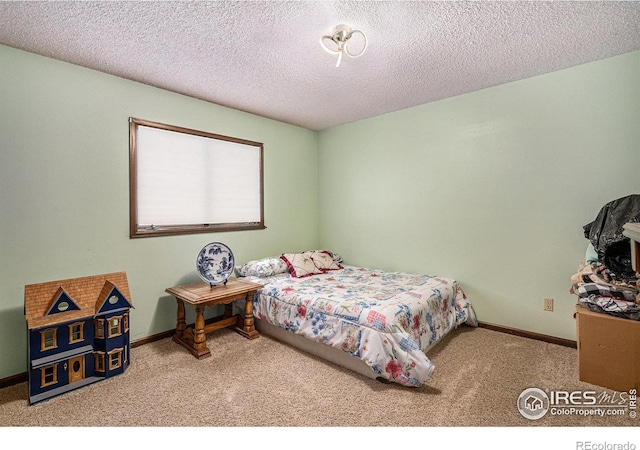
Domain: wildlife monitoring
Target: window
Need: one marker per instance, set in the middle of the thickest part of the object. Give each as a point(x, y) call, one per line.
point(48, 339)
point(49, 375)
point(76, 333)
point(115, 359)
point(187, 181)
point(125, 322)
point(99, 361)
point(114, 327)
point(100, 328)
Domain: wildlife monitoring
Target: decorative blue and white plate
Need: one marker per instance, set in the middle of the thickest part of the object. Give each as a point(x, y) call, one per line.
point(215, 263)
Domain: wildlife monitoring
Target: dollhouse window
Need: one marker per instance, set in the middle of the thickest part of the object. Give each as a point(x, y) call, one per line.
point(115, 359)
point(63, 306)
point(185, 181)
point(76, 333)
point(125, 322)
point(99, 361)
point(48, 339)
point(114, 326)
point(49, 375)
point(100, 328)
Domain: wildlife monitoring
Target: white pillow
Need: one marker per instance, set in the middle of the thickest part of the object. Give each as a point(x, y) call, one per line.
point(265, 267)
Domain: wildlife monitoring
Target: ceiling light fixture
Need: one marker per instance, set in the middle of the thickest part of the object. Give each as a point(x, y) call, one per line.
point(337, 42)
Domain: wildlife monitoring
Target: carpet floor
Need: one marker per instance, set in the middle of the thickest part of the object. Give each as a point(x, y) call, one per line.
point(478, 378)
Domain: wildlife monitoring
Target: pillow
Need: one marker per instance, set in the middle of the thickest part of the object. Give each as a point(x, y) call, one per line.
point(265, 267)
point(300, 264)
point(324, 261)
point(337, 258)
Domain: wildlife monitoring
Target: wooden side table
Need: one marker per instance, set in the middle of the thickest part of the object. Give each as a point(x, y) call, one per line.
point(193, 338)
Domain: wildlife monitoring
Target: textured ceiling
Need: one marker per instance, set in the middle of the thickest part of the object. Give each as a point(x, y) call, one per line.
point(264, 57)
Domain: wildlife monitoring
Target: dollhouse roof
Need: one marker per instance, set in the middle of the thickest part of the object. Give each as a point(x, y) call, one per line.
point(85, 292)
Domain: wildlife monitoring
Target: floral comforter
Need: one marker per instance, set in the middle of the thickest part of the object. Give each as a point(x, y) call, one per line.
point(387, 319)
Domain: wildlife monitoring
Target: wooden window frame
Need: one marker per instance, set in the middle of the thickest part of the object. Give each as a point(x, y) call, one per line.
point(43, 339)
point(111, 328)
point(99, 330)
point(81, 330)
point(99, 361)
point(53, 372)
point(138, 231)
point(115, 359)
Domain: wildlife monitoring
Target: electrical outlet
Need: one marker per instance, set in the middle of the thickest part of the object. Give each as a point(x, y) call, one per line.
point(548, 304)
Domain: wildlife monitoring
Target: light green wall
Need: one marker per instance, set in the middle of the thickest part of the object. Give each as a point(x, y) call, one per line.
point(491, 188)
point(64, 182)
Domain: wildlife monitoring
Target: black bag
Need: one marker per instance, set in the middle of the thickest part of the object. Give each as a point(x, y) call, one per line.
point(605, 233)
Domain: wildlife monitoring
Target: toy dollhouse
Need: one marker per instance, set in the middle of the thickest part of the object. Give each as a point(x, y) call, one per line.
point(78, 332)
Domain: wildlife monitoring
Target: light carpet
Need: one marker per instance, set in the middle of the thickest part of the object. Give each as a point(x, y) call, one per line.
point(263, 383)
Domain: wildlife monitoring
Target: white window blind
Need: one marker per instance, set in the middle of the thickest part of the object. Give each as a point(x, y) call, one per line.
point(193, 181)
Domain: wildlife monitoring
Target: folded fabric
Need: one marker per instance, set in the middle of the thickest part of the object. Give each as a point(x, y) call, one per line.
point(591, 256)
point(606, 290)
point(612, 306)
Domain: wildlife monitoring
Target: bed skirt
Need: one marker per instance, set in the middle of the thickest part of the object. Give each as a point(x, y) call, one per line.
point(331, 354)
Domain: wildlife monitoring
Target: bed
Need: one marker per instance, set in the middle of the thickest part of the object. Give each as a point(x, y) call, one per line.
point(377, 323)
